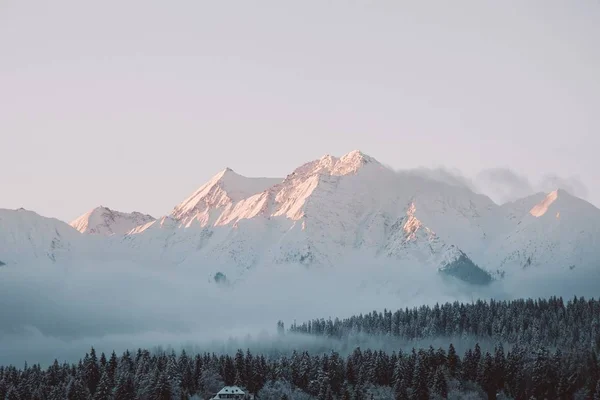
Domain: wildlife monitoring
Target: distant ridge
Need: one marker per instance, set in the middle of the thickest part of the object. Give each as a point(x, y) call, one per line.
point(326, 213)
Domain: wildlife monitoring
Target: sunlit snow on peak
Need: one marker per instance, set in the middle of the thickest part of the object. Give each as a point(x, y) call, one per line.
point(541, 208)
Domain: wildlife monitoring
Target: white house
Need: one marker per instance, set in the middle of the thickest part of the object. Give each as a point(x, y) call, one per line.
point(231, 392)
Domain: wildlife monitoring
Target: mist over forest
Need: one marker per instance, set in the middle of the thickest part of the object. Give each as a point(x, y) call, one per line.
point(61, 312)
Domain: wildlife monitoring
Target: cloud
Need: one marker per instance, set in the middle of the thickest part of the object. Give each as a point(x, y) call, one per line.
point(572, 185)
point(55, 313)
point(500, 184)
point(503, 184)
point(449, 176)
point(60, 311)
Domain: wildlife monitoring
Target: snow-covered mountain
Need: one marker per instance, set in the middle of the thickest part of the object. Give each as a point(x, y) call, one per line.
point(558, 231)
point(331, 212)
point(28, 237)
point(104, 221)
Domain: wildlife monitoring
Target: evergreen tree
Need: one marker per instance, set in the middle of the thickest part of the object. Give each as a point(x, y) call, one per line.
point(346, 394)
point(452, 361)
point(239, 364)
point(541, 375)
point(487, 378)
point(112, 366)
point(593, 372)
point(12, 394)
point(420, 385)
point(228, 371)
point(187, 374)
point(401, 390)
point(91, 371)
point(103, 361)
point(440, 385)
point(104, 388)
point(125, 389)
point(597, 394)
point(499, 366)
point(76, 390)
point(162, 389)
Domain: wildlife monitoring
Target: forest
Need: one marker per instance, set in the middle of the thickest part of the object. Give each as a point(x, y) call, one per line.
point(544, 349)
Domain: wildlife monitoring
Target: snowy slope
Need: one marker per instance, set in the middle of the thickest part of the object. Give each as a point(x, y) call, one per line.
point(104, 221)
point(326, 212)
point(329, 212)
point(28, 237)
point(219, 195)
point(559, 231)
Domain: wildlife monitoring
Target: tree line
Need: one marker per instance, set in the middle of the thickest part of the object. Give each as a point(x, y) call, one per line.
point(364, 374)
point(551, 322)
point(537, 365)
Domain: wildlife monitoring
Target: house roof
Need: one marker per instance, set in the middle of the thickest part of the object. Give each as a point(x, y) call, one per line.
point(231, 390)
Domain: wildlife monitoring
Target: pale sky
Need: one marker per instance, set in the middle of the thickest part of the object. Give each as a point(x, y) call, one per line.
point(134, 104)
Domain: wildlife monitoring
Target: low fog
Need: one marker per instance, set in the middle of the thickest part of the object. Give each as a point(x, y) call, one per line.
point(60, 311)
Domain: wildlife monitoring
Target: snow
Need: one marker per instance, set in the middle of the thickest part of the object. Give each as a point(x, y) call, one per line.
point(26, 236)
point(566, 238)
point(329, 212)
point(221, 191)
point(104, 221)
point(541, 208)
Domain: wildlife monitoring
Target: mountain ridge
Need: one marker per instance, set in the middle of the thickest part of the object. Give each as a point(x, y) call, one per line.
point(333, 209)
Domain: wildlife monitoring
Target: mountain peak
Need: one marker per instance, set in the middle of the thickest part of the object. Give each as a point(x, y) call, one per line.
point(351, 162)
point(541, 208)
point(223, 175)
point(104, 221)
point(222, 190)
point(561, 199)
point(357, 155)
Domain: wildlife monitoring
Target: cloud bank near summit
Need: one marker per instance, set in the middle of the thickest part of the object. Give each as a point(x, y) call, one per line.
point(502, 184)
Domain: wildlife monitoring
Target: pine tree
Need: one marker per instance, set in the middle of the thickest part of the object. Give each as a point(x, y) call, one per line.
point(92, 371)
point(593, 372)
point(173, 374)
point(104, 388)
point(162, 388)
point(228, 371)
point(240, 368)
point(440, 385)
point(597, 394)
point(187, 374)
point(76, 390)
point(346, 394)
point(541, 375)
point(401, 390)
point(420, 385)
point(452, 361)
point(12, 394)
point(103, 361)
point(487, 379)
point(359, 393)
point(112, 366)
point(3, 388)
point(499, 366)
point(477, 354)
point(125, 389)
